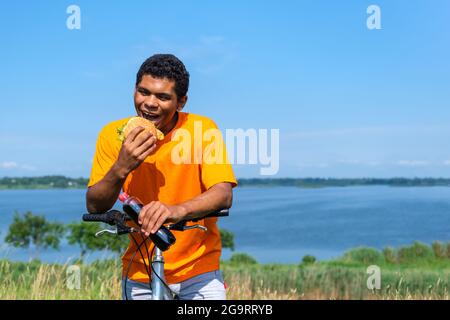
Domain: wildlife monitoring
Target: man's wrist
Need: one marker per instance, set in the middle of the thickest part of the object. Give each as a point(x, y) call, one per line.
point(183, 212)
point(119, 172)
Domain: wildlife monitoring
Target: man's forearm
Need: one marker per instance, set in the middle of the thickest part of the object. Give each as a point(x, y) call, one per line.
point(218, 197)
point(102, 196)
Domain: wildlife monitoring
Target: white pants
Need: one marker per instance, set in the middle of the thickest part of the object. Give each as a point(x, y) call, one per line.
point(205, 286)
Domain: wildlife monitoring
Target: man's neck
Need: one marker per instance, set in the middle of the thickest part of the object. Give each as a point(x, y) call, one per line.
point(172, 123)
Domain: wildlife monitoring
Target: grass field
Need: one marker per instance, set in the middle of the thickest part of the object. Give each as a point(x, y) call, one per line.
point(414, 272)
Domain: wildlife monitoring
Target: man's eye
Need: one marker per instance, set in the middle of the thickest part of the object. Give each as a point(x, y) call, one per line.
point(163, 98)
point(143, 92)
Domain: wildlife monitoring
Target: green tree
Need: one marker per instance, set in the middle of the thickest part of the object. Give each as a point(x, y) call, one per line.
point(227, 238)
point(29, 229)
point(415, 252)
point(308, 259)
point(242, 259)
point(83, 235)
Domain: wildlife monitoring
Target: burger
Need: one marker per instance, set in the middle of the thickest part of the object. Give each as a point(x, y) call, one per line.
point(138, 122)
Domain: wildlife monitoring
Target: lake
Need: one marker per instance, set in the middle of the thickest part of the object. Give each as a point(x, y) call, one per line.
point(278, 224)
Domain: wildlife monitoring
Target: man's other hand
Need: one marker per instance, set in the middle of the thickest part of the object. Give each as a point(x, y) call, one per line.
point(155, 214)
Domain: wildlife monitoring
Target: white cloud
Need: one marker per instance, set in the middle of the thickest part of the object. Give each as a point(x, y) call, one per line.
point(8, 165)
point(28, 167)
point(412, 163)
point(14, 165)
point(447, 163)
point(370, 163)
point(349, 161)
point(313, 165)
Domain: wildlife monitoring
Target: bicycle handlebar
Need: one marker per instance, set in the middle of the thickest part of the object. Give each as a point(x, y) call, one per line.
point(111, 217)
point(163, 238)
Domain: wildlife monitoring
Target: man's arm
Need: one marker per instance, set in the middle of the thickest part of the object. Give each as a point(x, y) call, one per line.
point(101, 196)
point(218, 197)
point(155, 214)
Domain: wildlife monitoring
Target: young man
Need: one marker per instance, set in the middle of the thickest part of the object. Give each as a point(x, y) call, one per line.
point(171, 191)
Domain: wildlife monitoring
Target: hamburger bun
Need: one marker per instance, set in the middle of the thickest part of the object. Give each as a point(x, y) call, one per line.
point(134, 122)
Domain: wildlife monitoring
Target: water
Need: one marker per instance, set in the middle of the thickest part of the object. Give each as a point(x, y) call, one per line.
point(279, 224)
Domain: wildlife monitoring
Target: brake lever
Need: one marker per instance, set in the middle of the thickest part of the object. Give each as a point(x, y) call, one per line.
point(195, 226)
point(182, 226)
point(117, 231)
point(99, 233)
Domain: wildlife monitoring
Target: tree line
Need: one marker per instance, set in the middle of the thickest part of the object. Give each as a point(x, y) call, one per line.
point(62, 182)
point(57, 182)
point(335, 182)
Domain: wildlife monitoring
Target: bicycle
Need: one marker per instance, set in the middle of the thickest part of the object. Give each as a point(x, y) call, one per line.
point(160, 289)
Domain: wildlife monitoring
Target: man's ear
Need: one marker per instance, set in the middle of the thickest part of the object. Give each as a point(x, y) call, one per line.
point(182, 103)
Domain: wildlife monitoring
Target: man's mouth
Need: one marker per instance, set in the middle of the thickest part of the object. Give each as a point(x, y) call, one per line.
point(152, 117)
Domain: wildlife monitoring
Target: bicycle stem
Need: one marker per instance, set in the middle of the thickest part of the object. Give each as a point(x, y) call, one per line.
point(158, 289)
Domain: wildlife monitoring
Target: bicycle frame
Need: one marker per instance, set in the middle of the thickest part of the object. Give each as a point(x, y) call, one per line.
point(159, 290)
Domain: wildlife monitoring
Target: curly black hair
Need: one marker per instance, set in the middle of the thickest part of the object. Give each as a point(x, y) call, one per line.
point(166, 66)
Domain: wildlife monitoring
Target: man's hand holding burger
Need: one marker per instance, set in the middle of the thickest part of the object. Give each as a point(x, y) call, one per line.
point(137, 146)
point(139, 138)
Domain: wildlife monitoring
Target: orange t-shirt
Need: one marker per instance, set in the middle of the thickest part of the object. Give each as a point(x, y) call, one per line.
point(191, 159)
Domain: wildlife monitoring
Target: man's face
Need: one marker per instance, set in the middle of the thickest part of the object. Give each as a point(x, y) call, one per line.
point(155, 99)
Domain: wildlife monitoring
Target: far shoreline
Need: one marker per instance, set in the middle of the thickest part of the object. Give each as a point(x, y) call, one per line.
point(62, 182)
point(241, 187)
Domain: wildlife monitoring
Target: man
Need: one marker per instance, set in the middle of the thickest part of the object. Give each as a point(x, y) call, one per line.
point(171, 191)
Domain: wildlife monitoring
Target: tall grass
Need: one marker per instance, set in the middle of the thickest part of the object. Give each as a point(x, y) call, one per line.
point(409, 272)
point(412, 272)
point(35, 280)
point(333, 281)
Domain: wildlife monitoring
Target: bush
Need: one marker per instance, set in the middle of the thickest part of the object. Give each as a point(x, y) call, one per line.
point(390, 255)
point(227, 239)
point(439, 249)
point(308, 259)
point(417, 251)
point(364, 255)
point(242, 258)
point(448, 250)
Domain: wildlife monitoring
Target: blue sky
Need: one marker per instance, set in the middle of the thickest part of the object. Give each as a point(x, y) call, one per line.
point(348, 101)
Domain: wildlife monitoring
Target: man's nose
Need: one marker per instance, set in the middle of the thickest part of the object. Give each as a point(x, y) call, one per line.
point(151, 102)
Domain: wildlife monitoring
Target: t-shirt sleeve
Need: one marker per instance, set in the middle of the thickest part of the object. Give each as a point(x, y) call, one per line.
point(105, 156)
point(215, 166)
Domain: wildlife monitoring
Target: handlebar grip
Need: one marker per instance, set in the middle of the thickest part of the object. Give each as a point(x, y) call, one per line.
point(100, 217)
point(107, 217)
